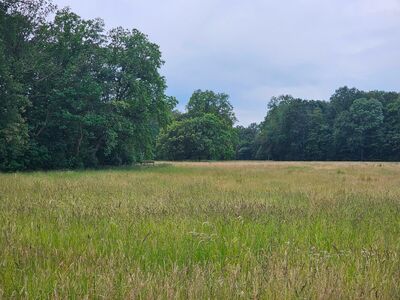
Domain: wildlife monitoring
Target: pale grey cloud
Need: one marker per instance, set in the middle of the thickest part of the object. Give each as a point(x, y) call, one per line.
point(256, 49)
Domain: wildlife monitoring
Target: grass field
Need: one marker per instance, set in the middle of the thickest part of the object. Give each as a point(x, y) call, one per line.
point(203, 230)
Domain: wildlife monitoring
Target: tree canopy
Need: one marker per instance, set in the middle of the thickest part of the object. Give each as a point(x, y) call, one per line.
point(74, 95)
point(204, 132)
point(204, 137)
point(209, 102)
point(353, 125)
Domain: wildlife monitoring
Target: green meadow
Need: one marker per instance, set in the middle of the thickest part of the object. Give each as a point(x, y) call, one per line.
point(232, 230)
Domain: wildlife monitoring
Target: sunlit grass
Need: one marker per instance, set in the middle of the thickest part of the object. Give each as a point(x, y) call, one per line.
point(210, 230)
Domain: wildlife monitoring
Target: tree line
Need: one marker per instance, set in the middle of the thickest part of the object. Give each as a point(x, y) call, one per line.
point(353, 125)
point(74, 95)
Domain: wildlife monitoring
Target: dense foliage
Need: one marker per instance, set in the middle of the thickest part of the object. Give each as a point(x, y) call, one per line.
point(73, 95)
point(247, 147)
point(204, 132)
point(354, 125)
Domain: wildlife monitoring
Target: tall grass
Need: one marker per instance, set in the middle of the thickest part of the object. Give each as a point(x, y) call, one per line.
point(211, 230)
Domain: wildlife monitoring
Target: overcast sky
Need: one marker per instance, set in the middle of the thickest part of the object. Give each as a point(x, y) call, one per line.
point(256, 49)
